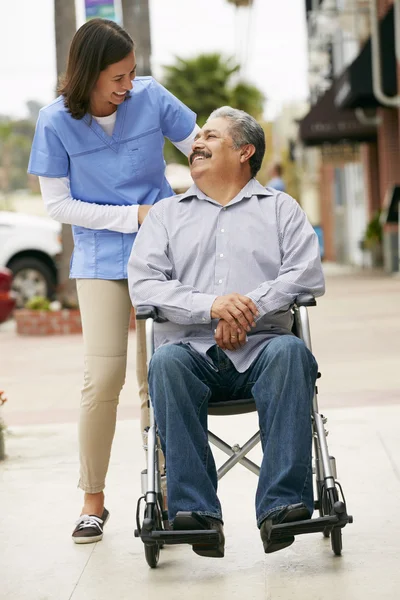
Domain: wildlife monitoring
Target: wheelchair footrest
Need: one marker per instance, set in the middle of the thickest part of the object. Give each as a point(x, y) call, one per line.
point(307, 526)
point(180, 537)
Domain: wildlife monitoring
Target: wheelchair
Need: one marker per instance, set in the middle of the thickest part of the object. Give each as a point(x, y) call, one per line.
point(328, 493)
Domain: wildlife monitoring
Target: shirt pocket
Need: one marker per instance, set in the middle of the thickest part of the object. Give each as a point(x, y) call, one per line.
point(146, 152)
point(84, 255)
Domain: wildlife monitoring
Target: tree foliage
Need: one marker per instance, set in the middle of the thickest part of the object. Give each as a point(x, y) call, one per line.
point(205, 83)
point(239, 3)
point(15, 143)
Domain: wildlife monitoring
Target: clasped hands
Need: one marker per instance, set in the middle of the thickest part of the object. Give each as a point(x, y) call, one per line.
point(236, 314)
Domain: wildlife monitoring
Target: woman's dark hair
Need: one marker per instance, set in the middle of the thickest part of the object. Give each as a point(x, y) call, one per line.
point(96, 45)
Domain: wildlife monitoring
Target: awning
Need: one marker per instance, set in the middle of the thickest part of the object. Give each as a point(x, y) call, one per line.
point(309, 4)
point(326, 124)
point(354, 86)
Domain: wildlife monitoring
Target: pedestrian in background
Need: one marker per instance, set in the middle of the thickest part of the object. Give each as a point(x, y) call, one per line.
point(276, 182)
point(98, 152)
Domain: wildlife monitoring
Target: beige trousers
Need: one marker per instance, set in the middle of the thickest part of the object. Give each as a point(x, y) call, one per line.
point(105, 311)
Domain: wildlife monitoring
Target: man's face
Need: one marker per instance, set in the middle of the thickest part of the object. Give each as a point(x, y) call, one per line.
point(213, 151)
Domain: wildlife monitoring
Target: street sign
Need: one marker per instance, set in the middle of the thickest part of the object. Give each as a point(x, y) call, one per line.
point(103, 9)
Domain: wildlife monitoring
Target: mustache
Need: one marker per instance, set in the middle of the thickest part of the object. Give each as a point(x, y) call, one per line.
point(198, 153)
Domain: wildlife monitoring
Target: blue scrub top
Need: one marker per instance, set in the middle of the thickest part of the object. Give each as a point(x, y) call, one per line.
point(124, 169)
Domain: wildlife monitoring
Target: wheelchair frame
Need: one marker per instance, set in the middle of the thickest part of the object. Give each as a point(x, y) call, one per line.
point(330, 500)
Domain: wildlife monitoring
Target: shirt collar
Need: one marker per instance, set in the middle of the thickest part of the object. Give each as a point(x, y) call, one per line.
point(252, 188)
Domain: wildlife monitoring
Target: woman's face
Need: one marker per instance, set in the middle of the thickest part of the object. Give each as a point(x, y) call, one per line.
point(113, 84)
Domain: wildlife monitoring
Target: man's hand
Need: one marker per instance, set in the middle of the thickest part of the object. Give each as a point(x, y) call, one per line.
point(142, 212)
point(228, 338)
point(237, 310)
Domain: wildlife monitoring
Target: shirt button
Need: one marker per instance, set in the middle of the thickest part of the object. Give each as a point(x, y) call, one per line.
point(222, 230)
point(221, 256)
point(224, 208)
point(219, 280)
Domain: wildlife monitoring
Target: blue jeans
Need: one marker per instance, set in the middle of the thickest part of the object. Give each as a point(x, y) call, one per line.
point(281, 380)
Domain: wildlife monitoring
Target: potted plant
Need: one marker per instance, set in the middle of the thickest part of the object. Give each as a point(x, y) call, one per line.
point(372, 241)
point(42, 317)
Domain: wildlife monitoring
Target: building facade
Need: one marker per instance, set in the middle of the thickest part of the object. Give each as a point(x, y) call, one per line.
point(356, 133)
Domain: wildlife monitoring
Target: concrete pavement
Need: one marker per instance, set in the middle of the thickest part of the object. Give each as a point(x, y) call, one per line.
point(355, 332)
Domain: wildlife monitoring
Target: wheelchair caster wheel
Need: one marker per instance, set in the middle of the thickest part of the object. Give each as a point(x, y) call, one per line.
point(327, 532)
point(152, 554)
point(336, 541)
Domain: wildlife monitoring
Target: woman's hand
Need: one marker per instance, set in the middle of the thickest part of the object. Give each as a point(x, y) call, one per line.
point(142, 212)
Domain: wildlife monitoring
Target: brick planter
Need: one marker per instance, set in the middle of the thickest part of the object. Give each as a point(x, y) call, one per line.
point(47, 322)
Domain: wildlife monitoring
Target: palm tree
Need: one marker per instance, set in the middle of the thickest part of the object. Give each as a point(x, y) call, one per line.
point(239, 3)
point(65, 27)
point(136, 20)
point(204, 83)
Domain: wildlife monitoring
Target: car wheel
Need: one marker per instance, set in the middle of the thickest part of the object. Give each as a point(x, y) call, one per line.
point(31, 277)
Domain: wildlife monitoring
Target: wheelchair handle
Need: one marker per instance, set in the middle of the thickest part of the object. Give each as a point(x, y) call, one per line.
point(148, 312)
point(305, 300)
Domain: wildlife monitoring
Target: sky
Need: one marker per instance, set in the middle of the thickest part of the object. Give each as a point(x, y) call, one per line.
point(273, 40)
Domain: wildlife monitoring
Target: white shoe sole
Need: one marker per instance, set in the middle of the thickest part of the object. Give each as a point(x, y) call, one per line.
point(91, 539)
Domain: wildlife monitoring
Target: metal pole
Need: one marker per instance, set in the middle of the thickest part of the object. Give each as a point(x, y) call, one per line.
point(376, 55)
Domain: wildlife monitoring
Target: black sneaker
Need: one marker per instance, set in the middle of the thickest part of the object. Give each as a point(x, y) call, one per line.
point(89, 528)
point(185, 521)
point(293, 512)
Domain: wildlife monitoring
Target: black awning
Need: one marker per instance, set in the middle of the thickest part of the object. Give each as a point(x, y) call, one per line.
point(326, 124)
point(354, 86)
point(309, 4)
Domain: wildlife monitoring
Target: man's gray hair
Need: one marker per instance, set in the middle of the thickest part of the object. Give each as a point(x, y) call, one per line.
point(244, 130)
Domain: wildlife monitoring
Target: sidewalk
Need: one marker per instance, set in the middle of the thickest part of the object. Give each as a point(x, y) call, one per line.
point(355, 332)
point(39, 503)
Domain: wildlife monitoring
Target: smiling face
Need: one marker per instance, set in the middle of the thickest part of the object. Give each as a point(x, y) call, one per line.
point(213, 151)
point(112, 86)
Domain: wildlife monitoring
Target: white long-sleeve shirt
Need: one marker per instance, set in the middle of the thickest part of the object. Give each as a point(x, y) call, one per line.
point(62, 207)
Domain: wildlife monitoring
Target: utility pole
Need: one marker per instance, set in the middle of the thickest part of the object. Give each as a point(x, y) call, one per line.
point(65, 28)
point(136, 20)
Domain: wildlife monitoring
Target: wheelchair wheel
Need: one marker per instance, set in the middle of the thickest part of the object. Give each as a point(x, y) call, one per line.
point(336, 541)
point(152, 551)
point(152, 554)
point(330, 497)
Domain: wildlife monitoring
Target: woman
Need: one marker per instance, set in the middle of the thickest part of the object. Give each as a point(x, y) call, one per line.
point(98, 152)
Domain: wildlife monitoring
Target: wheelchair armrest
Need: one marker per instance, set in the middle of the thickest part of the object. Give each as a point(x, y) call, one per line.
point(148, 312)
point(305, 300)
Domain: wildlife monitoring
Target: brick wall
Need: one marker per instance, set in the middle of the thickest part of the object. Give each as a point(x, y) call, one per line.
point(327, 210)
point(388, 149)
point(383, 7)
point(60, 322)
point(370, 160)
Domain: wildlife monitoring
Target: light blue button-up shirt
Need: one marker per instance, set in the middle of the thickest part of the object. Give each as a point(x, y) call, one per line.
point(125, 168)
point(191, 249)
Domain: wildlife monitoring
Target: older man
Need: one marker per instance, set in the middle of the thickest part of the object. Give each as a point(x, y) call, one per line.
point(224, 263)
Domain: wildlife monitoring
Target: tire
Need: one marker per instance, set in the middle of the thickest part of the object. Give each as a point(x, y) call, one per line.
point(334, 533)
point(336, 541)
point(32, 277)
point(152, 551)
point(152, 554)
point(326, 532)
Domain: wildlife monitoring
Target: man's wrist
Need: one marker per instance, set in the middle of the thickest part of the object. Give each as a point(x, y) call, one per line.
point(261, 312)
point(201, 307)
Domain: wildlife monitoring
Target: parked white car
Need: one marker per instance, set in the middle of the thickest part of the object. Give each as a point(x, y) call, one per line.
point(30, 247)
